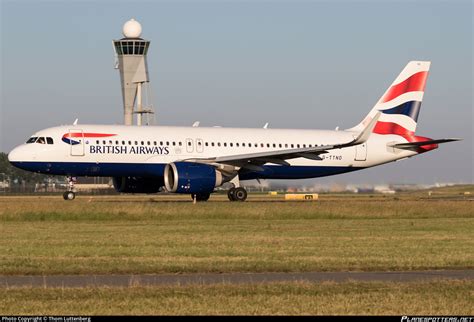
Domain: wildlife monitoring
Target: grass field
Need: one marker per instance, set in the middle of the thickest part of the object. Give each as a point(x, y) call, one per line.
point(165, 234)
point(159, 234)
point(428, 298)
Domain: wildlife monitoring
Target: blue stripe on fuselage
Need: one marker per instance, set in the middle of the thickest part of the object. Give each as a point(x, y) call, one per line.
point(157, 169)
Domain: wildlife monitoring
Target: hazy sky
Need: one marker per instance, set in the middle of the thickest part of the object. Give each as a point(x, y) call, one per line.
point(311, 64)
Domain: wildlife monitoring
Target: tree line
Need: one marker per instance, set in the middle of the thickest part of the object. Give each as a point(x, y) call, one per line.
point(18, 175)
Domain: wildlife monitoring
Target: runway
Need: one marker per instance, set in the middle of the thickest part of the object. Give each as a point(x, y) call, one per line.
point(228, 278)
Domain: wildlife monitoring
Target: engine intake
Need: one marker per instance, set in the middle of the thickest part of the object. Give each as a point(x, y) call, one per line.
point(191, 177)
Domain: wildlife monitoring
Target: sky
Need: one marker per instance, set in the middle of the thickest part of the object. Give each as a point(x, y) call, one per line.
point(294, 64)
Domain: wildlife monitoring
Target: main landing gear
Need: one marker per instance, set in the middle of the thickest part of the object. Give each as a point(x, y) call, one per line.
point(70, 194)
point(237, 194)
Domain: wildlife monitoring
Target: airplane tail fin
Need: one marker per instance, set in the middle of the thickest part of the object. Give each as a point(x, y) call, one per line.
point(400, 104)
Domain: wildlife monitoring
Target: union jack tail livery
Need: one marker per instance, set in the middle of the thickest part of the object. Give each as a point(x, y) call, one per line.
point(400, 104)
point(399, 108)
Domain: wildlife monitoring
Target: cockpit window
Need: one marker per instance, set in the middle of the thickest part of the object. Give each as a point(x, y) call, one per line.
point(32, 140)
point(49, 140)
point(41, 140)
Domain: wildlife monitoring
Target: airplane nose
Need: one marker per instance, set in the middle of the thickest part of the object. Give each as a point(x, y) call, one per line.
point(20, 154)
point(14, 155)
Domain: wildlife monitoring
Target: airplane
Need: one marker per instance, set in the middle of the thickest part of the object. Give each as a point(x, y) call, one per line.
point(195, 160)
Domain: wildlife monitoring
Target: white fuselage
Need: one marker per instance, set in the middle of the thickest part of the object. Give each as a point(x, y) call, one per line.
point(117, 150)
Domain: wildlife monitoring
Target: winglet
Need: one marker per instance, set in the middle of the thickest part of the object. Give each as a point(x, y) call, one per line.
point(365, 133)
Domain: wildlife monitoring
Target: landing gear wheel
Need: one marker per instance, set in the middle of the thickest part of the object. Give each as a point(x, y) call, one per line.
point(69, 195)
point(231, 194)
point(201, 196)
point(240, 194)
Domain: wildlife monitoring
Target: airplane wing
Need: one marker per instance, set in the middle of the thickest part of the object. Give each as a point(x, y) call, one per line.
point(253, 161)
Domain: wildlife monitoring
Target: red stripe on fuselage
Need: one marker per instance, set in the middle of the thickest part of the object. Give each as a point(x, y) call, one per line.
point(87, 135)
point(414, 83)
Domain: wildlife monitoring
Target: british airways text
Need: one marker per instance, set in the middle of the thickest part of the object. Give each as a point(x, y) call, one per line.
point(109, 149)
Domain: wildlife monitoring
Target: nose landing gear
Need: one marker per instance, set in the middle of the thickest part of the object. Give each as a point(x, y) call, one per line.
point(70, 194)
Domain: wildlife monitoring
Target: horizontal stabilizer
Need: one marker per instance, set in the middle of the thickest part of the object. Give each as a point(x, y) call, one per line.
point(422, 143)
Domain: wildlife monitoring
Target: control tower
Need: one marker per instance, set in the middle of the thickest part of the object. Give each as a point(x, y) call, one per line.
point(131, 61)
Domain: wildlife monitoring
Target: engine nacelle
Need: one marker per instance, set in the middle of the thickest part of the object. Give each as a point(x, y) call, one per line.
point(190, 177)
point(137, 184)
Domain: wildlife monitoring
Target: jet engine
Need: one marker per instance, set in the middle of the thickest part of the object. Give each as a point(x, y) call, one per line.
point(191, 177)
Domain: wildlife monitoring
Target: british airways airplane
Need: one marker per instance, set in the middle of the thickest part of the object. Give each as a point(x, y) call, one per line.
point(196, 160)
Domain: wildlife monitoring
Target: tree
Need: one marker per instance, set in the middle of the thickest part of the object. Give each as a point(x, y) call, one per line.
point(19, 174)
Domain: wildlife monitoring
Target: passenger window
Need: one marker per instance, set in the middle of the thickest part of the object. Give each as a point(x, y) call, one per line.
point(256, 145)
point(268, 145)
point(49, 140)
point(207, 144)
point(237, 145)
point(225, 144)
point(199, 143)
point(212, 143)
point(116, 142)
point(218, 144)
point(279, 145)
point(97, 142)
point(179, 143)
point(243, 144)
point(174, 143)
point(161, 142)
point(167, 143)
point(110, 142)
point(143, 143)
point(154, 142)
point(148, 143)
point(231, 144)
point(298, 146)
point(136, 142)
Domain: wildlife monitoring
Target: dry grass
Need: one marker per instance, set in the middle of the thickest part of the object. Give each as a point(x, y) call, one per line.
point(351, 298)
point(151, 234)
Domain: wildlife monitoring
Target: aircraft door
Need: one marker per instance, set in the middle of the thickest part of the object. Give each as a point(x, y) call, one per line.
point(361, 152)
point(199, 145)
point(76, 141)
point(189, 145)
